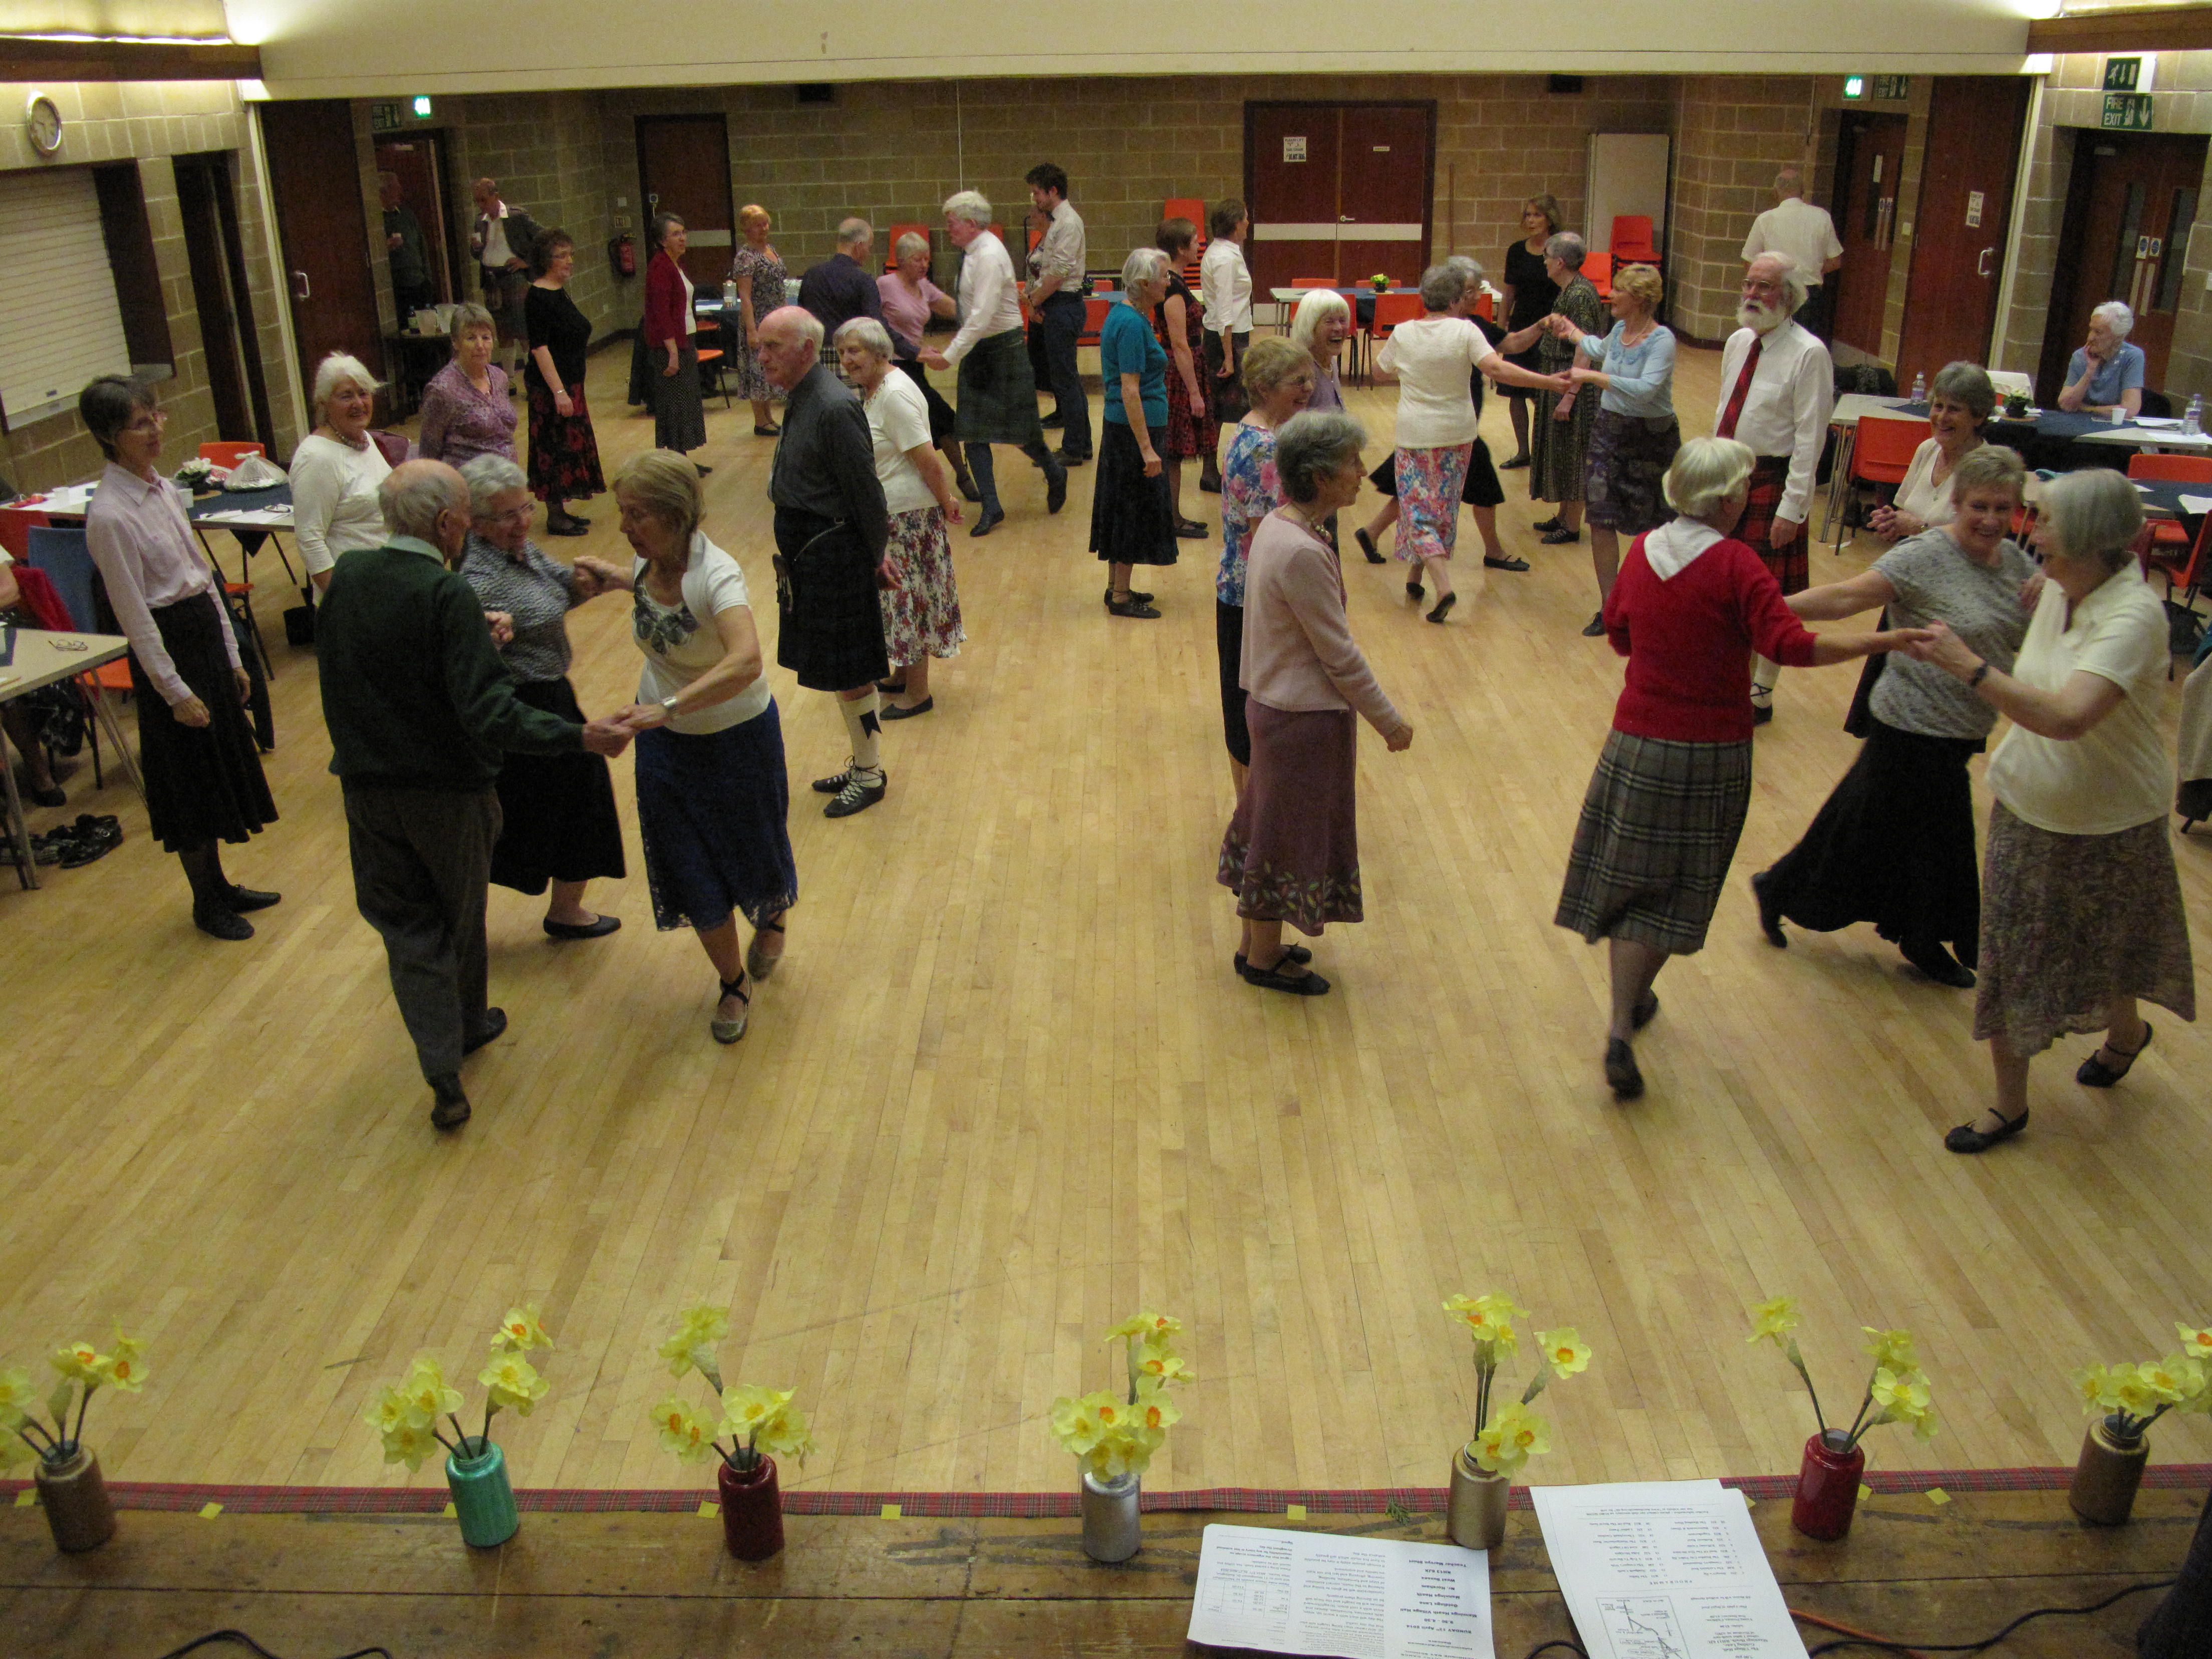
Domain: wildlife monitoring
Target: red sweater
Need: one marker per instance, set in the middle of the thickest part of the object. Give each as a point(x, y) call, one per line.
point(1689, 640)
point(664, 304)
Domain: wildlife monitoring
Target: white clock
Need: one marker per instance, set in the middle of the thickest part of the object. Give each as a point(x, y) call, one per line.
point(42, 121)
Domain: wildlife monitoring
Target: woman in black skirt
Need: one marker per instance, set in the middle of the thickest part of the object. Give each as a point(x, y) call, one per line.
point(1132, 520)
point(557, 821)
point(203, 783)
point(564, 451)
point(1894, 845)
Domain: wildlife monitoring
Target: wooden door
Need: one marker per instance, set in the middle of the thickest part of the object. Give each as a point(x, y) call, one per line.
point(2129, 212)
point(1868, 160)
point(1974, 125)
point(1338, 190)
point(418, 162)
point(684, 169)
point(322, 223)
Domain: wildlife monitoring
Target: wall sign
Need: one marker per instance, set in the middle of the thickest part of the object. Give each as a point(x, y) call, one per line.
point(2124, 75)
point(2126, 112)
point(1974, 210)
point(1896, 87)
point(1294, 150)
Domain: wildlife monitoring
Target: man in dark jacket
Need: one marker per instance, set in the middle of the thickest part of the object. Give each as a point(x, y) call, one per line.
point(502, 242)
point(420, 711)
point(843, 286)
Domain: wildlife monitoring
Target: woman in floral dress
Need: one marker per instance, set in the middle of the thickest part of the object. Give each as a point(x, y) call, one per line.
point(759, 274)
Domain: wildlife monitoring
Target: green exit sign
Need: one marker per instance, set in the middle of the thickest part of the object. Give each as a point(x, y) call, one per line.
point(2122, 74)
point(2126, 112)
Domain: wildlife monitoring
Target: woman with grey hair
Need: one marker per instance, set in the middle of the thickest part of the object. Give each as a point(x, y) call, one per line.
point(2082, 911)
point(920, 600)
point(1132, 520)
point(1894, 845)
point(558, 827)
point(910, 301)
point(1559, 434)
point(465, 411)
point(680, 415)
point(1291, 850)
point(336, 468)
point(1960, 400)
point(1666, 803)
point(2106, 371)
point(1434, 357)
point(1322, 323)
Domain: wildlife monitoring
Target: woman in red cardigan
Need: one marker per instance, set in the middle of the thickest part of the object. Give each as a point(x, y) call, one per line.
point(679, 415)
point(1666, 802)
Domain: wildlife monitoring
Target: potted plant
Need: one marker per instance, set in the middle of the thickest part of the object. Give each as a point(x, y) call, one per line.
point(761, 1426)
point(1380, 282)
point(1507, 1436)
point(1896, 1392)
point(406, 1414)
point(1113, 1437)
point(2124, 1400)
point(78, 1511)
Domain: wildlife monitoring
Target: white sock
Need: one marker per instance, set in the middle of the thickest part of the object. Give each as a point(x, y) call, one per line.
point(863, 727)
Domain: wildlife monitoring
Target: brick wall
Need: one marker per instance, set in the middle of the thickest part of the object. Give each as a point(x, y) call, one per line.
point(1732, 133)
point(150, 123)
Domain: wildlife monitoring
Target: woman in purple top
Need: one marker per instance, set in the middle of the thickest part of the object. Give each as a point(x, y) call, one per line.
point(465, 411)
point(196, 751)
point(910, 299)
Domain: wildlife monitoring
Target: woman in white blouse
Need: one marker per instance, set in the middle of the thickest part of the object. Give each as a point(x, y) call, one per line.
point(1432, 356)
point(1960, 405)
point(1224, 288)
point(335, 469)
point(920, 602)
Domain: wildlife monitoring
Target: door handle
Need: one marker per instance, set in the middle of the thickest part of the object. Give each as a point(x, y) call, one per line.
point(1982, 264)
point(1346, 219)
point(301, 290)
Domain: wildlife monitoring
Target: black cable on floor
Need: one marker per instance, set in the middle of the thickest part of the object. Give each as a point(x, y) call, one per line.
point(1837, 1645)
point(246, 1641)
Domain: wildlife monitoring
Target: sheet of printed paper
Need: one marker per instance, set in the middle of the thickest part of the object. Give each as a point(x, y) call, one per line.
point(1665, 1569)
point(1361, 1598)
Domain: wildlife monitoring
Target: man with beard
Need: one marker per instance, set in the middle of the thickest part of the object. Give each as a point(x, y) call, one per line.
point(1778, 390)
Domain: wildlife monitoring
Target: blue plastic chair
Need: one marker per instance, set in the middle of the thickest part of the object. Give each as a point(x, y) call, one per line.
point(61, 552)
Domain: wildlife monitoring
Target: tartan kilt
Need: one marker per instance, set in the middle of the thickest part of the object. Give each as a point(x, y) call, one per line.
point(1791, 565)
point(998, 393)
point(1659, 828)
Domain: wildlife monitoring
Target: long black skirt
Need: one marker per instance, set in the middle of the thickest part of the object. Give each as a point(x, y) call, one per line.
point(1894, 846)
point(202, 782)
point(1132, 520)
point(831, 621)
point(1228, 651)
point(679, 414)
point(557, 811)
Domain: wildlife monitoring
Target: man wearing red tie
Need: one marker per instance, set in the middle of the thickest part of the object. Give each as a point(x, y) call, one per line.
point(1778, 390)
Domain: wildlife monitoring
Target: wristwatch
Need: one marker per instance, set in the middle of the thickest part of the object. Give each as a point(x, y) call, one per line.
point(1978, 675)
point(668, 702)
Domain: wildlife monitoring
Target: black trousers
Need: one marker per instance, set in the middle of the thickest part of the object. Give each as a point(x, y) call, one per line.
point(421, 862)
point(1053, 336)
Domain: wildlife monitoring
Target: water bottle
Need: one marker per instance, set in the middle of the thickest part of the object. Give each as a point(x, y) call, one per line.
point(730, 295)
point(1920, 388)
point(2193, 421)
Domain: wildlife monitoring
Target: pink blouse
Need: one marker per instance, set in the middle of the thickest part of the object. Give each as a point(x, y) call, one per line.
point(143, 542)
point(906, 310)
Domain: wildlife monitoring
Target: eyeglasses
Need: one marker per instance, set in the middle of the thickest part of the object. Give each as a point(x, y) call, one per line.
point(148, 421)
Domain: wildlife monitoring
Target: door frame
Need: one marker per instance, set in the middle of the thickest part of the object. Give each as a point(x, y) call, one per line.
point(1428, 108)
point(225, 263)
point(721, 121)
point(437, 142)
point(1839, 185)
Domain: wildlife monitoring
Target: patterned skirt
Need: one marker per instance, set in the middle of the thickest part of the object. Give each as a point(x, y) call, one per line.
point(710, 809)
point(1429, 485)
point(202, 782)
point(1625, 484)
point(921, 607)
point(564, 452)
point(1131, 520)
point(2071, 923)
point(1658, 829)
point(1481, 489)
point(1292, 853)
point(1192, 429)
point(1558, 451)
point(1791, 565)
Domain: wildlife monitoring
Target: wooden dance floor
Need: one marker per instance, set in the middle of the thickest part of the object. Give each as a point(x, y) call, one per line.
point(1006, 1090)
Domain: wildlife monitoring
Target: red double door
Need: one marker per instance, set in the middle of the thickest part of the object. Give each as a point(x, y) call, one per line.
point(1338, 190)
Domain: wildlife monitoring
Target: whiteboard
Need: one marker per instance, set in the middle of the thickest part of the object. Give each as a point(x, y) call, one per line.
point(1627, 175)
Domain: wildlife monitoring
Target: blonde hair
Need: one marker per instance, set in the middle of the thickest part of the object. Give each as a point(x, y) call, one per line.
point(667, 485)
point(1270, 361)
point(752, 214)
point(1643, 282)
point(1705, 473)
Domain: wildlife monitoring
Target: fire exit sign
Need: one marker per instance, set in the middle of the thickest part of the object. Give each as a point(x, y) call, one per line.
point(2122, 74)
point(2126, 112)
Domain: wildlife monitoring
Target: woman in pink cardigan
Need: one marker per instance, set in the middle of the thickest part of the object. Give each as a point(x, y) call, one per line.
point(1666, 802)
point(1292, 853)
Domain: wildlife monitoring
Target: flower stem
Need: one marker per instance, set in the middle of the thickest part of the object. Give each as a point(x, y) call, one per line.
point(484, 1439)
point(83, 1402)
point(448, 1444)
point(459, 1432)
point(1806, 1377)
point(32, 1423)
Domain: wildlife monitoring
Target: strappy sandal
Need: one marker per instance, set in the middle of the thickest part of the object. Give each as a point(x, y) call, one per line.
point(2095, 1074)
point(758, 963)
point(1308, 984)
point(729, 1031)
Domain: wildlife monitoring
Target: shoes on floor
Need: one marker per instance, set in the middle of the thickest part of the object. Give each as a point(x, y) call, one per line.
point(1508, 562)
point(1561, 537)
point(1770, 914)
point(449, 1105)
point(726, 1031)
point(1595, 628)
point(1967, 1139)
point(891, 711)
point(1210, 485)
point(1191, 530)
point(1931, 959)
point(1442, 607)
point(1054, 419)
point(2095, 1074)
point(566, 527)
point(1367, 546)
point(1644, 1012)
point(862, 790)
point(774, 431)
point(1107, 598)
point(758, 962)
point(1055, 490)
point(703, 468)
point(1415, 591)
point(52, 795)
point(1297, 953)
point(596, 927)
point(493, 1028)
point(986, 522)
point(835, 782)
point(1516, 464)
point(1762, 708)
point(220, 921)
point(1133, 606)
point(243, 899)
point(1620, 1070)
point(1308, 984)
point(1542, 525)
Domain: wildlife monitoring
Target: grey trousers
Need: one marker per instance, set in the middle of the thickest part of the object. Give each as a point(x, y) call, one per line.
point(421, 861)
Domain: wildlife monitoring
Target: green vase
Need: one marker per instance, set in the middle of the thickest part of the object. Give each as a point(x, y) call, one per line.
point(483, 1499)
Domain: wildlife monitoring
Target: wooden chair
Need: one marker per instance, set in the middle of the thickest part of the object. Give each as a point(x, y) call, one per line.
point(1882, 455)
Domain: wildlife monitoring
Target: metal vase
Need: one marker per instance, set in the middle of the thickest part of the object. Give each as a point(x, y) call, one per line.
point(1474, 1514)
point(2106, 1478)
point(484, 1501)
point(1110, 1529)
point(78, 1511)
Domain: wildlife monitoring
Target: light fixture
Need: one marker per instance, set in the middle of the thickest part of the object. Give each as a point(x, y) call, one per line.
point(1854, 86)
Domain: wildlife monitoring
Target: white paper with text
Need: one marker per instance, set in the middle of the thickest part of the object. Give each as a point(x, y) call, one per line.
point(1665, 1569)
point(1320, 1593)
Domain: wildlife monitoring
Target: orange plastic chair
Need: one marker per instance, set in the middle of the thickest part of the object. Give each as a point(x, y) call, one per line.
point(1313, 281)
point(1632, 240)
point(1192, 208)
point(1094, 320)
point(1598, 267)
point(227, 452)
point(710, 365)
point(1881, 453)
point(2164, 543)
point(891, 242)
point(1485, 307)
point(1390, 310)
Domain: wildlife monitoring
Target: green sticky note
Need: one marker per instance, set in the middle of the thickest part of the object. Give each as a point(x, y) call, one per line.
point(708, 1507)
point(26, 1497)
point(1296, 1512)
point(1937, 1495)
point(449, 1511)
point(893, 1511)
point(209, 1512)
point(1865, 1492)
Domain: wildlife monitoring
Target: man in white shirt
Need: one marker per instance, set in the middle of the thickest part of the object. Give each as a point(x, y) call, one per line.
point(1778, 390)
point(501, 241)
point(1225, 284)
point(998, 392)
point(1797, 228)
point(1056, 296)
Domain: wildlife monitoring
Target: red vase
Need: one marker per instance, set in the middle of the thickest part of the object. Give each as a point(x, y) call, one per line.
point(1827, 1489)
point(752, 1511)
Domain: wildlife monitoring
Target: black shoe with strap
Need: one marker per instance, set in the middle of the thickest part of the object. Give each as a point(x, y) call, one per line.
point(1967, 1139)
point(1273, 978)
point(2095, 1074)
point(859, 793)
point(726, 1031)
point(1367, 546)
point(220, 921)
point(758, 963)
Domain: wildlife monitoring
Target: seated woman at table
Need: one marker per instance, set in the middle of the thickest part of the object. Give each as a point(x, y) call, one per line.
point(2105, 372)
point(335, 469)
point(465, 411)
point(196, 748)
point(1959, 402)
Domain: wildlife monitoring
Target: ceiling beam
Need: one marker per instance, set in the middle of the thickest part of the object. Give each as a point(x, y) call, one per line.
point(2151, 28)
point(24, 59)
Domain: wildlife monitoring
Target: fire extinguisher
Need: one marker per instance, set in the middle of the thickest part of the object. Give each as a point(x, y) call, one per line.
point(623, 252)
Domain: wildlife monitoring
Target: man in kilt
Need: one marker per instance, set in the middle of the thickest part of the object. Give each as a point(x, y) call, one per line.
point(998, 388)
point(1778, 390)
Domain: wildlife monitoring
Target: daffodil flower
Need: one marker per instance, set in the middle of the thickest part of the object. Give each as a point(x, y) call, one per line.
point(18, 1397)
point(749, 1407)
point(405, 1444)
point(1153, 1409)
point(1073, 1424)
point(1156, 1363)
point(785, 1434)
point(124, 1368)
point(692, 1347)
point(1564, 1351)
point(79, 1362)
point(682, 1432)
point(522, 1329)
point(2196, 1340)
point(1904, 1395)
point(1893, 1349)
point(1145, 1325)
point(1771, 1320)
point(512, 1384)
point(427, 1396)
